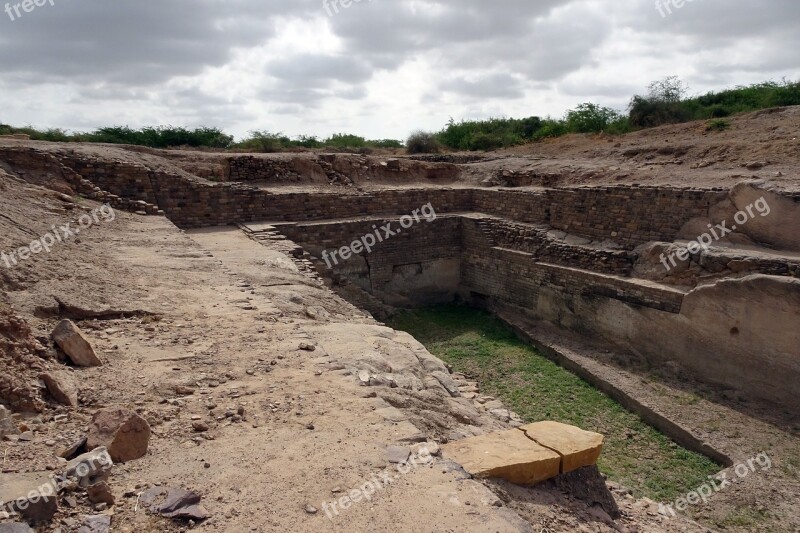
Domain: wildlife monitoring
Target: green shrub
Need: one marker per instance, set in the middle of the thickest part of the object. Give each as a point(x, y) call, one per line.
point(489, 134)
point(551, 128)
point(345, 141)
point(421, 142)
point(718, 125)
point(264, 141)
point(648, 113)
point(665, 103)
point(486, 141)
point(590, 118)
point(385, 143)
point(307, 141)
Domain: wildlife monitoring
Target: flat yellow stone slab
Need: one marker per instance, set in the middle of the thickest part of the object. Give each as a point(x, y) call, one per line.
point(577, 447)
point(508, 455)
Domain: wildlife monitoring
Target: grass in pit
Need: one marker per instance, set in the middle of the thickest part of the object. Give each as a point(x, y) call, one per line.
point(480, 346)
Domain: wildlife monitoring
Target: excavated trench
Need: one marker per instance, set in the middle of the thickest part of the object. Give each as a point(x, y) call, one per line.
point(557, 264)
point(587, 264)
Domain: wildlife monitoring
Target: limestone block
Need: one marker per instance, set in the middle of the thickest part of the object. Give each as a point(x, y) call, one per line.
point(578, 448)
point(508, 455)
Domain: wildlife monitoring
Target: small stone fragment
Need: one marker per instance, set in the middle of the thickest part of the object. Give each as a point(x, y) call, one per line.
point(398, 454)
point(90, 468)
point(100, 493)
point(96, 524)
point(200, 427)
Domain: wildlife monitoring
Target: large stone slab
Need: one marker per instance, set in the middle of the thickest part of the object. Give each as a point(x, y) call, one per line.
point(32, 495)
point(578, 448)
point(70, 339)
point(508, 455)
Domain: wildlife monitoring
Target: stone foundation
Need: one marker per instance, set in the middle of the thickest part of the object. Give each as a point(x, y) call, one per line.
point(586, 258)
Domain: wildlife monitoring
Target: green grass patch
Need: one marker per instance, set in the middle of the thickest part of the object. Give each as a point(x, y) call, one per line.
point(718, 125)
point(746, 517)
point(482, 347)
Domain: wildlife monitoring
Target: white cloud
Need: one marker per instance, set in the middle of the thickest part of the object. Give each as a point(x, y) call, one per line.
point(379, 68)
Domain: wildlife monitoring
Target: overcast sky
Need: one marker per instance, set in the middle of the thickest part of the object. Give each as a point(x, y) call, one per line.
point(379, 68)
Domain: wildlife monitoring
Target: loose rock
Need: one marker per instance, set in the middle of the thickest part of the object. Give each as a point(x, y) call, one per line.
point(61, 387)
point(101, 493)
point(123, 432)
point(96, 524)
point(7, 425)
point(70, 339)
point(90, 468)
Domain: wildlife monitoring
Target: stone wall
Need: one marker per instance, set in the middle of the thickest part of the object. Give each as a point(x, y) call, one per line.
point(418, 265)
point(629, 215)
point(544, 248)
point(42, 168)
point(126, 180)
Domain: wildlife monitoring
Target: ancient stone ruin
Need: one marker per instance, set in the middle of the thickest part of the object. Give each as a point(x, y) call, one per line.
point(605, 279)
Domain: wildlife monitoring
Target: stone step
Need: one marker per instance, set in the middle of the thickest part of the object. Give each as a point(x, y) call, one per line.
point(529, 454)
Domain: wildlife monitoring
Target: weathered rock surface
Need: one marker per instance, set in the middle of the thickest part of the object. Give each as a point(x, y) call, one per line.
point(398, 454)
point(123, 432)
point(96, 524)
point(100, 493)
point(509, 455)
point(15, 527)
point(70, 339)
point(61, 387)
point(578, 448)
point(32, 496)
point(174, 503)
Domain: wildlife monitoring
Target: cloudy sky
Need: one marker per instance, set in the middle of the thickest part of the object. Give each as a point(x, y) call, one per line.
point(379, 68)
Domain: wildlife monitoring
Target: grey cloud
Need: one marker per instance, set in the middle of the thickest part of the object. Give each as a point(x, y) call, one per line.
point(130, 54)
point(490, 86)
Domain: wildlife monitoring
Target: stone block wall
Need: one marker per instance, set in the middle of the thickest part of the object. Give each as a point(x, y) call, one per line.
point(626, 214)
point(629, 214)
point(250, 168)
point(518, 277)
point(535, 241)
point(423, 243)
point(126, 180)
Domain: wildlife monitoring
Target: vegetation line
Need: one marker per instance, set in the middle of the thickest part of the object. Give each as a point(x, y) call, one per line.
point(666, 102)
